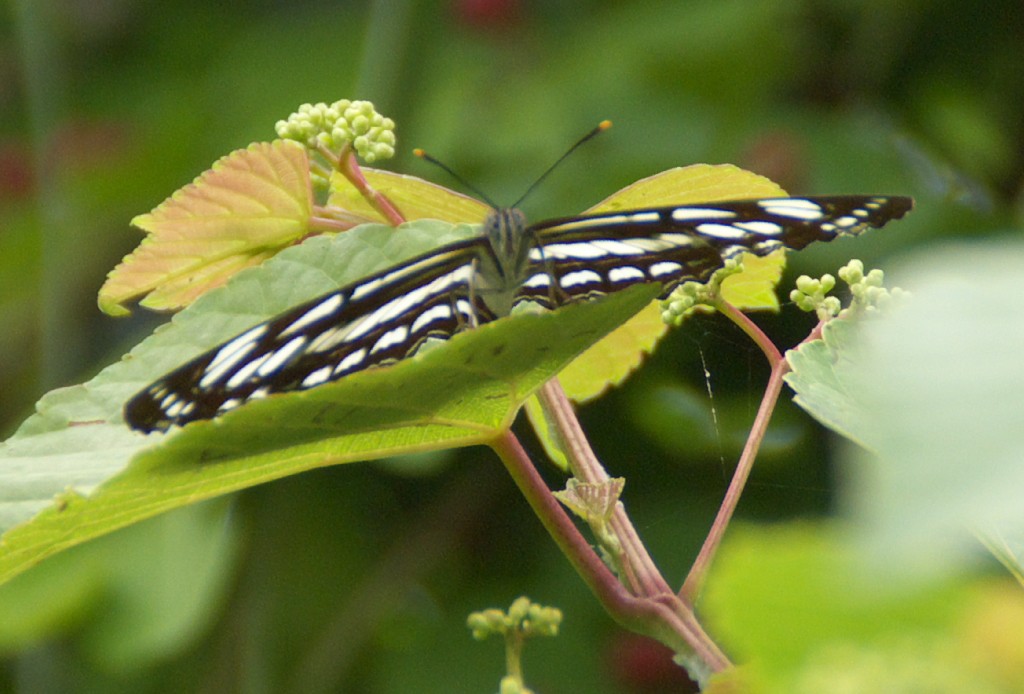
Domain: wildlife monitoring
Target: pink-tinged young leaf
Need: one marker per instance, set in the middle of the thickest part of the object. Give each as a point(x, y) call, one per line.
point(414, 197)
point(181, 291)
point(249, 205)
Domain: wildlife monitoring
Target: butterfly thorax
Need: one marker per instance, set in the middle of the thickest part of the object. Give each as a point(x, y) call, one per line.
point(500, 272)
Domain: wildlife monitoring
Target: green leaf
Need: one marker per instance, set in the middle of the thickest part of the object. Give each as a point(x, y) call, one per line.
point(619, 355)
point(614, 359)
point(547, 434)
point(297, 274)
point(463, 392)
point(1008, 553)
point(158, 581)
point(820, 378)
point(754, 288)
point(937, 388)
point(689, 185)
point(794, 601)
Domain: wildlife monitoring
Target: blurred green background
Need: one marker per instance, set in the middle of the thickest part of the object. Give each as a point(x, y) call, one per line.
point(358, 579)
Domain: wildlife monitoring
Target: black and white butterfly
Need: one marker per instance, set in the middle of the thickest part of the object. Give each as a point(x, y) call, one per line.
point(386, 316)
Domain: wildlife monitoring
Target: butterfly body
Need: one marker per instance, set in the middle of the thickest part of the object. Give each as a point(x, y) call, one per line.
point(386, 316)
point(504, 264)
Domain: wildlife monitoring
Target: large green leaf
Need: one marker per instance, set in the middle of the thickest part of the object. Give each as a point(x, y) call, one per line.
point(937, 388)
point(795, 604)
point(931, 392)
point(461, 393)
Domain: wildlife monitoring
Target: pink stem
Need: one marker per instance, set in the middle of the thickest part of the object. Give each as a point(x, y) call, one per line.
point(349, 168)
point(663, 616)
point(779, 368)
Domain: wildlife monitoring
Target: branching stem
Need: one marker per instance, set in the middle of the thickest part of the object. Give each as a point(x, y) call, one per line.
point(662, 616)
point(640, 598)
point(779, 368)
point(644, 577)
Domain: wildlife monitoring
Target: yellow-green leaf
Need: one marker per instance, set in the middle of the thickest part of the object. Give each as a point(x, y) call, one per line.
point(754, 288)
point(610, 361)
point(414, 197)
point(250, 204)
point(465, 392)
point(618, 355)
point(687, 185)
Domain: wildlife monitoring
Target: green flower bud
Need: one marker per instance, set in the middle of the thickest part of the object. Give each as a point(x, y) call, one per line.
point(519, 609)
point(487, 622)
point(805, 284)
point(852, 272)
point(343, 123)
point(482, 624)
point(510, 685)
point(544, 621)
point(875, 278)
point(811, 295)
point(683, 299)
point(802, 300)
point(830, 306)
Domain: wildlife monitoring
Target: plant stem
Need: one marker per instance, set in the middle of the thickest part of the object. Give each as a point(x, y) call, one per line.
point(514, 655)
point(557, 522)
point(662, 616)
point(779, 368)
point(771, 352)
point(326, 218)
point(640, 567)
point(349, 168)
point(694, 580)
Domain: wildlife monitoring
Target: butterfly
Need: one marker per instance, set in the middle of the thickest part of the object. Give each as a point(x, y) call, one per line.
point(384, 317)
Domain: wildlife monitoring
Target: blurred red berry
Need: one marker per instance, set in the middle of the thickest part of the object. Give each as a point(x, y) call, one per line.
point(643, 666)
point(488, 14)
point(15, 171)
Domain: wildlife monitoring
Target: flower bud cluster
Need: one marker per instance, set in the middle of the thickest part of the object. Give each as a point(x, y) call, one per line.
point(868, 290)
point(343, 123)
point(691, 296)
point(528, 618)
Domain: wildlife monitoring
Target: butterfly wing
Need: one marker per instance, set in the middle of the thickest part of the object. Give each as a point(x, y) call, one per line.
point(599, 254)
point(379, 319)
point(386, 316)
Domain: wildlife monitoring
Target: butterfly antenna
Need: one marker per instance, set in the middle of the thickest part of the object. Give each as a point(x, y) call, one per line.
point(601, 127)
point(462, 181)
